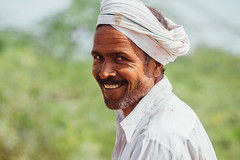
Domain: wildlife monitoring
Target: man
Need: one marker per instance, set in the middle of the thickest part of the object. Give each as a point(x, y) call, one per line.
point(132, 44)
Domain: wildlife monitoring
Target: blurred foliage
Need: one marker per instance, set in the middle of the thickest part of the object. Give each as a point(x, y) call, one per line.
point(209, 81)
point(51, 107)
point(62, 33)
point(44, 111)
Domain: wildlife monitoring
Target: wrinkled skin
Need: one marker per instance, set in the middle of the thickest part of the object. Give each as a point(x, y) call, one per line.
point(120, 70)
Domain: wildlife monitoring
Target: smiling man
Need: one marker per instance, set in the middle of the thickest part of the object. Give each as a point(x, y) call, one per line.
point(119, 67)
point(132, 44)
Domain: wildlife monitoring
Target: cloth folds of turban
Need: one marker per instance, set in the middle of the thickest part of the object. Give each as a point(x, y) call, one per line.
point(135, 20)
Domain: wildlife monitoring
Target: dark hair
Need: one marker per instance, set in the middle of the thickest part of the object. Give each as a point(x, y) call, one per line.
point(159, 17)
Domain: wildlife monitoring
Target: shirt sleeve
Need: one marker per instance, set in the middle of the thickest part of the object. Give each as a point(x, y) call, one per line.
point(152, 150)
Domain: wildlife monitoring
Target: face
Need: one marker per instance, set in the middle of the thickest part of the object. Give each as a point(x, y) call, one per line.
point(120, 70)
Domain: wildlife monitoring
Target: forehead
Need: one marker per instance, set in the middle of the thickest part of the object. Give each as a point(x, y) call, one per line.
point(108, 39)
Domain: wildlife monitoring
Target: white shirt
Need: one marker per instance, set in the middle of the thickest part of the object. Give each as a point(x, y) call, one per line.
point(161, 127)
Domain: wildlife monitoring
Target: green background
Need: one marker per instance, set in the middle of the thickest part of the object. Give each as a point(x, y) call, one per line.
point(51, 107)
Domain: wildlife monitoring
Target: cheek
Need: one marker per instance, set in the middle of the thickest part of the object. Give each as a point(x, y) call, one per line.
point(137, 77)
point(95, 71)
point(131, 75)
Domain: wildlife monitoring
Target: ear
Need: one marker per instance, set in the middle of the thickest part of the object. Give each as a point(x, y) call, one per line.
point(158, 69)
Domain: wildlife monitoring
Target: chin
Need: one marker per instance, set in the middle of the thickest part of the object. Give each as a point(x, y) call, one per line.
point(119, 104)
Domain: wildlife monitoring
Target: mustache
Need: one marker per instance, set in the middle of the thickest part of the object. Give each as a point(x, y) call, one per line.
point(110, 81)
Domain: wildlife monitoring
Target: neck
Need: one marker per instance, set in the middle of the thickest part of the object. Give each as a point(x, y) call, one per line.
point(159, 78)
point(129, 109)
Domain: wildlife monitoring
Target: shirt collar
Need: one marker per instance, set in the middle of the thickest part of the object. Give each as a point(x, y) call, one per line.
point(143, 108)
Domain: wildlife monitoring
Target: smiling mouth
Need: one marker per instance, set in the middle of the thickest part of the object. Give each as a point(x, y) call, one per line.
point(111, 86)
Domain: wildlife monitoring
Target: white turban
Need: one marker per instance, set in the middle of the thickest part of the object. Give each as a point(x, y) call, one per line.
point(133, 19)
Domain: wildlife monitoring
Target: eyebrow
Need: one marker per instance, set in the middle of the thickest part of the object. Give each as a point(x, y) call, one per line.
point(111, 54)
point(117, 54)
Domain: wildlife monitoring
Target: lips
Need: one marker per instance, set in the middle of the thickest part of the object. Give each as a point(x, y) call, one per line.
point(110, 84)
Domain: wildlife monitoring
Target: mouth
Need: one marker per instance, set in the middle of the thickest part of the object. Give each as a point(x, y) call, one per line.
point(111, 84)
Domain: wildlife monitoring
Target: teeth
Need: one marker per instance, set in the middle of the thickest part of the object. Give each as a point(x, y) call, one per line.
point(111, 86)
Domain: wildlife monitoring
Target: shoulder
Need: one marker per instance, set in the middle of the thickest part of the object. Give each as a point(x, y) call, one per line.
point(172, 117)
point(172, 129)
point(172, 125)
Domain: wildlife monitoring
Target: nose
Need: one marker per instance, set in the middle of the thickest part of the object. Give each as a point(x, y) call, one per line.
point(107, 70)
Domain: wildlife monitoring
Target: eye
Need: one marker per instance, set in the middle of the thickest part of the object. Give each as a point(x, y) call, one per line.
point(121, 59)
point(98, 58)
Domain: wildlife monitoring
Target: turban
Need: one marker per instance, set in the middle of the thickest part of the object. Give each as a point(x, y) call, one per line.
point(133, 19)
